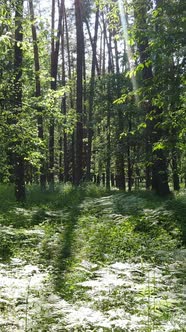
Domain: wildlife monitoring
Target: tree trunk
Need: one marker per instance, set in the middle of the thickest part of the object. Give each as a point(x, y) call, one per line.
point(91, 98)
point(79, 99)
point(160, 174)
point(92, 41)
point(18, 60)
point(108, 152)
point(176, 182)
point(54, 70)
point(38, 92)
point(64, 106)
point(71, 97)
point(120, 173)
point(53, 87)
point(109, 103)
point(103, 53)
point(129, 154)
point(153, 132)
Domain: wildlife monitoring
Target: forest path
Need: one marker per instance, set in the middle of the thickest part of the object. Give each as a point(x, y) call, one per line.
point(126, 295)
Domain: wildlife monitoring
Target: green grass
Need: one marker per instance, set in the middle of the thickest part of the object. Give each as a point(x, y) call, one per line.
point(75, 232)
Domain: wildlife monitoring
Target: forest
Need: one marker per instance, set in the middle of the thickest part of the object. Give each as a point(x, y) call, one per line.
point(92, 166)
point(93, 91)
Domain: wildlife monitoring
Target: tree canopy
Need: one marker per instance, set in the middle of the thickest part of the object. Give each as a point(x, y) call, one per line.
point(93, 90)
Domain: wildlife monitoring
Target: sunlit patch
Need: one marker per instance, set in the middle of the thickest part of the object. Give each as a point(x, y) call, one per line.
point(129, 52)
point(19, 283)
point(129, 294)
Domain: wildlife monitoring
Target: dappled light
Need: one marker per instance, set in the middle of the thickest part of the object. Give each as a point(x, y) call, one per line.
point(112, 261)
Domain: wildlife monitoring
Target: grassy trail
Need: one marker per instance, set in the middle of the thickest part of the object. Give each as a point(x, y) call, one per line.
point(87, 260)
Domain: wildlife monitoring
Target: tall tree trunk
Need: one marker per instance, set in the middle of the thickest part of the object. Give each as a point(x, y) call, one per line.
point(38, 92)
point(64, 105)
point(18, 60)
point(71, 97)
point(120, 173)
point(176, 182)
point(53, 87)
point(84, 114)
point(79, 98)
point(54, 69)
point(91, 97)
point(153, 133)
point(129, 154)
point(140, 13)
point(92, 41)
point(108, 139)
point(109, 103)
point(103, 51)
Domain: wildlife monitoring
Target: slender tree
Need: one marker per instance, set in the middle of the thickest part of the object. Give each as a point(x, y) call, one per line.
point(154, 133)
point(64, 100)
point(120, 173)
point(18, 61)
point(70, 68)
point(79, 96)
point(55, 45)
point(91, 96)
point(109, 107)
point(38, 91)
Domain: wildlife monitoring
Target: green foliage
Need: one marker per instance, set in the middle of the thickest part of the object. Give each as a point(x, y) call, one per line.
point(109, 252)
point(6, 244)
point(139, 231)
point(179, 213)
point(7, 198)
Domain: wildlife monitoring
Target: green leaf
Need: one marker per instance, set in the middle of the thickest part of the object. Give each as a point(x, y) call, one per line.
point(159, 146)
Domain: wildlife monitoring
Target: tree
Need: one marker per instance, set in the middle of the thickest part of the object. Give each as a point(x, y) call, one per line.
point(18, 158)
point(74, 89)
point(154, 132)
point(38, 92)
point(79, 93)
point(91, 95)
point(55, 46)
point(120, 172)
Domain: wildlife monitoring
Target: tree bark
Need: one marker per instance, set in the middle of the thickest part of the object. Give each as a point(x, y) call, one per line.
point(38, 93)
point(91, 97)
point(18, 61)
point(55, 44)
point(92, 41)
point(63, 104)
point(79, 93)
point(129, 171)
point(71, 97)
point(109, 103)
point(120, 172)
point(153, 132)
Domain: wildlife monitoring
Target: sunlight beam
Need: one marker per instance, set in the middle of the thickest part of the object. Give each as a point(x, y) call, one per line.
point(128, 48)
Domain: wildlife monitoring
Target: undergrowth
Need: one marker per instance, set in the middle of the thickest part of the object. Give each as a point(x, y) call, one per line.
point(73, 232)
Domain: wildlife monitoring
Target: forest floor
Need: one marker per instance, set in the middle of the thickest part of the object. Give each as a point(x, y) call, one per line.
point(83, 259)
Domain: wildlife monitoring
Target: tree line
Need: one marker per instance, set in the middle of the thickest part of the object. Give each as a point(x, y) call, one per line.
point(92, 91)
